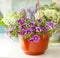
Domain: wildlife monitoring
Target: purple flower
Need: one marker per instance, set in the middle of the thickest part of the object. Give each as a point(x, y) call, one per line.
point(36, 38)
point(30, 40)
point(50, 25)
point(25, 18)
point(20, 21)
point(39, 21)
point(32, 23)
point(33, 28)
point(24, 32)
point(43, 29)
point(23, 26)
point(29, 32)
point(18, 32)
point(38, 29)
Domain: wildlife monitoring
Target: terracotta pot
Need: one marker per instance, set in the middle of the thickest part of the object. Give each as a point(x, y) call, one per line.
point(35, 48)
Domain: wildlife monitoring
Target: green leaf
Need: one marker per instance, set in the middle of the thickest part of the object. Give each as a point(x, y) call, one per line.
point(43, 23)
point(2, 24)
point(14, 33)
point(27, 21)
point(53, 4)
point(47, 19)
point(51, 32)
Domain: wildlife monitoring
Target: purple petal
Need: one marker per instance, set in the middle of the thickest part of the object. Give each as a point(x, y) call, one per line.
point(43, 29)
point(12, 28)
point(24, 32)
point(38, 29)
point(39, 21)
point(18, 32)
point(25, 18)
point(33, 28)
point(29, 32)
point(20, 21)
point(32, 24)
point(36, 38)
point(30, 40)
point(23, 26)
point(50, 25)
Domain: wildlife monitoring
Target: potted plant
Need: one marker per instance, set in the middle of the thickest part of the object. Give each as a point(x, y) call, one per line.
point(33, 30)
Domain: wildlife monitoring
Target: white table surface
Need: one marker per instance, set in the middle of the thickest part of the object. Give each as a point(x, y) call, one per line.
point(10, 48)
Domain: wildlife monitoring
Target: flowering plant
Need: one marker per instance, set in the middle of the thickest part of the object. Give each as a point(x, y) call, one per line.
point(51, 12)
point(21, 23)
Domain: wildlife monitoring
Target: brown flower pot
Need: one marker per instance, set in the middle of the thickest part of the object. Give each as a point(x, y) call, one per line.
point(35, 48)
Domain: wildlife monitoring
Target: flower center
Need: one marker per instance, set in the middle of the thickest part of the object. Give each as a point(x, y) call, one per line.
point(28, 32)
point(31, 24)
point(24, 33)
point(35, 38)
point(38, 29)
point(24, 26)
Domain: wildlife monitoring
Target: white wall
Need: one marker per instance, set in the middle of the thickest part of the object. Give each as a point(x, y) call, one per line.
point(5, 6)
point(18, 4)
point(13, 5)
